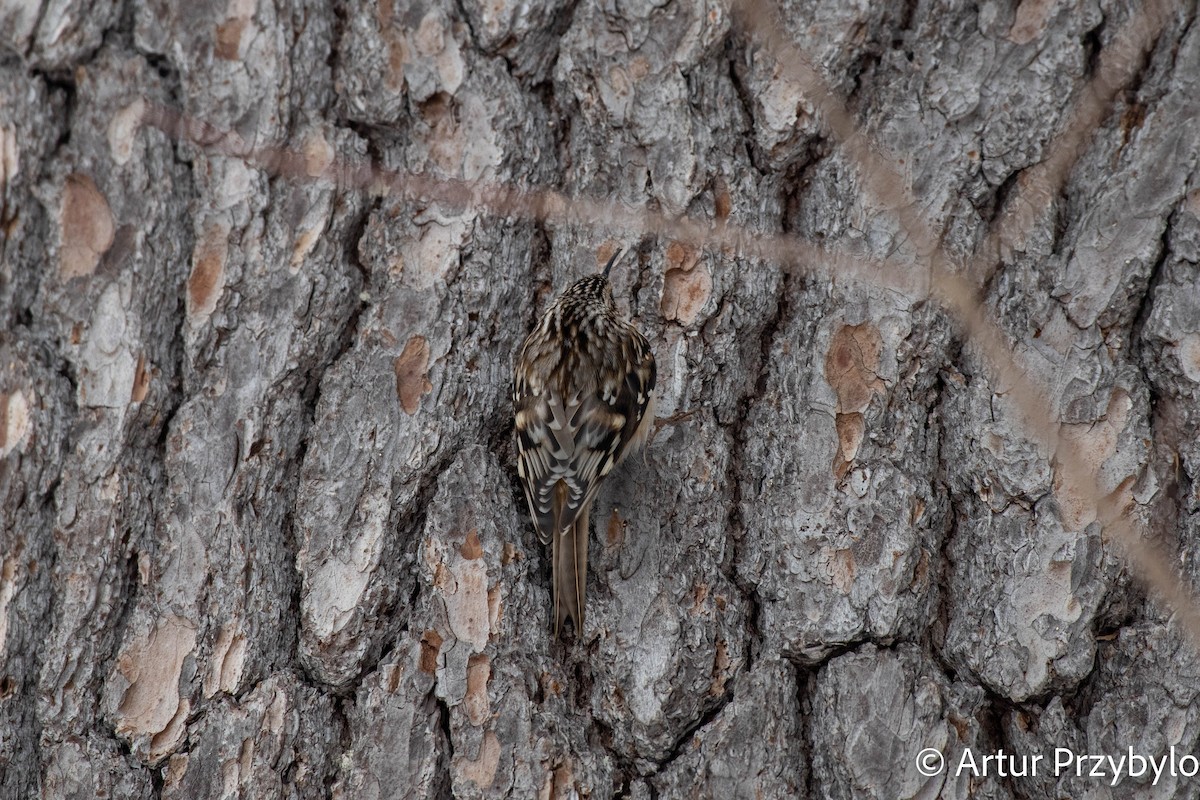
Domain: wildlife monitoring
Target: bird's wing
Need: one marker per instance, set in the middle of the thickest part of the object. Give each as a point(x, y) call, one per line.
point(633, 395)
point(574, 433)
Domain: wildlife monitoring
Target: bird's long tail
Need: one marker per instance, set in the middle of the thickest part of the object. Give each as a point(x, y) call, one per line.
point(570, 574)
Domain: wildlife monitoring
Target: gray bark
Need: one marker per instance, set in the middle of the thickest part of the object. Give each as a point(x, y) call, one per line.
point(262, 531)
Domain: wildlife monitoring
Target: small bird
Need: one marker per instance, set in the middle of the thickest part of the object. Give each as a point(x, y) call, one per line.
point(583, 396)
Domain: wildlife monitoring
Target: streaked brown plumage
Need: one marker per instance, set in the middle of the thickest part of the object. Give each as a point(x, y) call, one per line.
point(583, 395)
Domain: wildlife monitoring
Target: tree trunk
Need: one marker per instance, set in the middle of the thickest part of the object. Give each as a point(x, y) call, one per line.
point(262, 530)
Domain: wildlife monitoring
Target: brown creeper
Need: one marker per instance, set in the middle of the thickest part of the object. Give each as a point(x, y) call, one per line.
point(583, 395)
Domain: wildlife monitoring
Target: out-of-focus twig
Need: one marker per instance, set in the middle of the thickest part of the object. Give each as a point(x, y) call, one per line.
point(539, 204)
point(952, 286)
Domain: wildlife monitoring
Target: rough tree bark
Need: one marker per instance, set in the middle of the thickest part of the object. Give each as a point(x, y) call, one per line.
point(262, 535)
